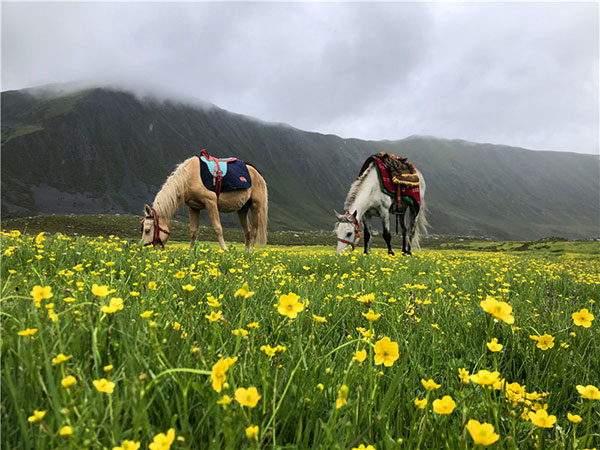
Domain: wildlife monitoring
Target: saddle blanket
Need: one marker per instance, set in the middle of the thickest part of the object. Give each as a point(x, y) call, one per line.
point(409, 194)
point(234, 172)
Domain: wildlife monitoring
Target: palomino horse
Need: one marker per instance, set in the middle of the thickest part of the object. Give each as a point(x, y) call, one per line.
point(365, 200)
point(185, 185)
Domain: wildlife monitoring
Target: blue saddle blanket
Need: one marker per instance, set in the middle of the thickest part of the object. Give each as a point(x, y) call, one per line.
point(234, 172)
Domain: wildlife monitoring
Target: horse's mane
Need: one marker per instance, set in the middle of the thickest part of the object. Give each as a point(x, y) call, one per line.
point(354, 187)
point(169, 198)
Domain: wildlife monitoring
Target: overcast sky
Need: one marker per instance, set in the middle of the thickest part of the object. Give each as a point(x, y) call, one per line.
point(522, 74)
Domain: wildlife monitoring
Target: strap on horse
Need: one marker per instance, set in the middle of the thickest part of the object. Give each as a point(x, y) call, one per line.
point(217, 174)
point(356, 224)
point(157, 229)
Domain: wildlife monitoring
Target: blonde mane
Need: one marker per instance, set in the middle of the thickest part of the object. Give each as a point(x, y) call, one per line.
point(170, 196)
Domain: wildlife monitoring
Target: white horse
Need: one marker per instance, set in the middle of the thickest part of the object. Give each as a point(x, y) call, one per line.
point(365, 200)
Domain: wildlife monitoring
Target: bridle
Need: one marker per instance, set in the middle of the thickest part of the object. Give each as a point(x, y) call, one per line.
point(347, 218)
point(157, 229)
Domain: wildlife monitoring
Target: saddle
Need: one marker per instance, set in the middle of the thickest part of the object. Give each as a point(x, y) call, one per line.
point(223, 174)
point(402, 172)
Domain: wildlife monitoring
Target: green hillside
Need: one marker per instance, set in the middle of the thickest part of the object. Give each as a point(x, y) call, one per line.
point(106, 151)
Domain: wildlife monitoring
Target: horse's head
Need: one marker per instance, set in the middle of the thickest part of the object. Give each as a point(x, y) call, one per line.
point(153, 233)
point(347, 230)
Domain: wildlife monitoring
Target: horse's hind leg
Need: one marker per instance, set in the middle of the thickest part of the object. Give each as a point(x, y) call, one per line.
point(194, 220)
point(243, 218)
point(408, 224)
point(213, 214)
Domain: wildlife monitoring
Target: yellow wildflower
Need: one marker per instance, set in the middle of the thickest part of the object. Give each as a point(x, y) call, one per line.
point(543, 342)
point(66, 431)
point(445, 405)
point(289, 305)
point(574, 418)
point(188, 287)
point(128, 445)
point(40, 293)
point(103, 385)
point(163, 441)
point(583, 318)
point(386, 352)
point(319, 319)
point(36, 416)
point(485, 377)
point(244, 291)
point(68, 381)
point(100, 291)
point(430, 385)
point(360, 355)
point(541, 419)
point(588, 392)
point(146, 314)
point(371, 315)
point(214, 316)
point(463, 374)
point(116, 304)
point(247, 397)
point(500, 310)
point(219, 370)
point(225, 400)
point(494, 346)
point(28, 332)
point(482, 433)
point(342, 397)
point(252, 432)
point(420, 403)
point(60, 358)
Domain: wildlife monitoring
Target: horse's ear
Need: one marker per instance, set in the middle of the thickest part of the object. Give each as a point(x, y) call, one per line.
point(148, 210)
point(338, 215)
point(354, 214)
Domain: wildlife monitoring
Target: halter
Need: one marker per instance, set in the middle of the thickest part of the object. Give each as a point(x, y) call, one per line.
point(356, 231)
point(157, 229)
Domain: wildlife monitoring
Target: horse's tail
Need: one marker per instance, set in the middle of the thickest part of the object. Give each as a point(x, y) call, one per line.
point(260, 208)
point(421, 223)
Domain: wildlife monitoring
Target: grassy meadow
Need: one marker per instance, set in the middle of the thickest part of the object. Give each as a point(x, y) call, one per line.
point(106, 344)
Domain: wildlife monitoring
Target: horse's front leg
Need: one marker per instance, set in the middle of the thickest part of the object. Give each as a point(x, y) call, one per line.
point(213, 214)
point(387, 236)
point(405, 249)
point(194, 221)
point(367, 232)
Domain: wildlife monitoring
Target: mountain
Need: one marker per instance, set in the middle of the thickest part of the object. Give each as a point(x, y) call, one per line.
point(102, 150)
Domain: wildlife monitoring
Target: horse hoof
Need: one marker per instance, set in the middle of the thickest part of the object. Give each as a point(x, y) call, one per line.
point(391, 253)
point(407, 253)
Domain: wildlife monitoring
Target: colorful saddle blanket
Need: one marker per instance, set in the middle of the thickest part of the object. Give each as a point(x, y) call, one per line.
point(408, 192)
point(223, 174)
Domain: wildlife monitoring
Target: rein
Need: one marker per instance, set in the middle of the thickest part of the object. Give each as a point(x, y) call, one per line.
point(157, 229)
point(356, 232)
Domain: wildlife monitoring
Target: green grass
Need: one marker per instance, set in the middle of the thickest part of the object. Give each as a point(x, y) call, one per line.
point(161, 364)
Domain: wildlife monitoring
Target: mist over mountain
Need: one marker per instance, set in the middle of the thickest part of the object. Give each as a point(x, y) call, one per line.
point(101, 150)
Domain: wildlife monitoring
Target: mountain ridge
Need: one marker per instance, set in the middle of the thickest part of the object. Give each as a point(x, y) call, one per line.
point(106, 150)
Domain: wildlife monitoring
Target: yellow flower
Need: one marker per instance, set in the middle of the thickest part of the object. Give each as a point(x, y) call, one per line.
point(368, 298)
point(146, 314)
point(252, 432)
point(28, 332)
point(543, 342)
point(247, 397)
point(574, 418)
point(69, 381)
point(319, 319)
point(60, 358)
point(179, 275)
point(430, 385)
point(500, 310)
point(244, 291)
point(176, 326)
point(420, 403)
point(485, 377)
point(541, 419)
point(482, 433)
point(253, 325)
point(128, 445)
point(163, 441)
point(494, 346)
point(100, 291)
point(66, 431)
point(289, 305)
point(68, 299)
point(188, 287)
point(342, 397)
point(214, 316)
point(463, 374)
point(116, 304)
point(371, 315)
point(225, 400)
point(108, 368)
point(445, 405)
point(219, 370)
point(40, 238)
point(152, 285)
point(589, 392)
point(37, 415)
point(40, 293)
point(386, 352)
point(360, 355)
point(239, 332)
point(362, 447)
point(103, 385)
point(583, 318)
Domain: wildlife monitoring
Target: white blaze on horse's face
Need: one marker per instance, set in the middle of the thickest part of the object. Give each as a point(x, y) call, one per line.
point(346, 237)
point(147, 231)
